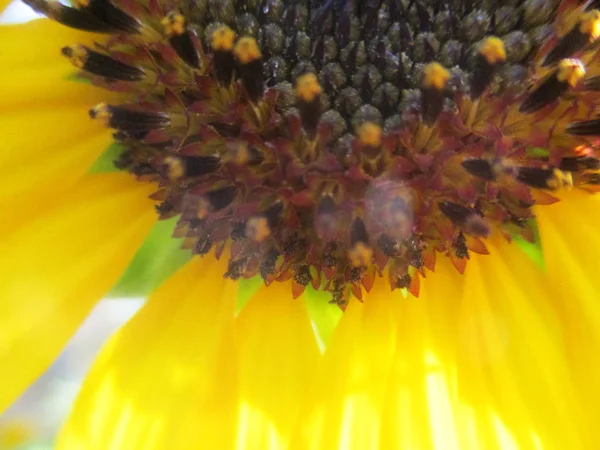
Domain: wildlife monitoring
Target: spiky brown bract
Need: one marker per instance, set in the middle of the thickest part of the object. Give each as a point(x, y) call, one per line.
point(413, 136)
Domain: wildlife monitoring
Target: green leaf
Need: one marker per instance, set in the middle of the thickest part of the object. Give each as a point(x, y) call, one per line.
point(77, 78)
point(157, 259)
point(247, 287)
point(537, 152)
point(534, 251)
point(324, 315)
point(105, 163)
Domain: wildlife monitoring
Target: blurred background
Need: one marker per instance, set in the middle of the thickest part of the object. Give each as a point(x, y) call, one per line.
point(32, 422)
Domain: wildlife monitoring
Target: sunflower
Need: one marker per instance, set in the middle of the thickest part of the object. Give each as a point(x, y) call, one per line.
point(379, 166)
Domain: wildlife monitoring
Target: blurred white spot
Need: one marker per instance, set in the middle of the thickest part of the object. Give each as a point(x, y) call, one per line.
point(320, 342)
point(257, 431)
point(440, 409)
point(49, 399)
point(505, 438)
point(537, 442)
point(18, 12)
point(104, 319)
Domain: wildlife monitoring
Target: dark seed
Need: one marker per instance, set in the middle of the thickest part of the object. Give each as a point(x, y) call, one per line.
point(238, 232)
point(302, 275)
point(80, 19)
point(536, 177)
point(576, 39)
point(460, 247)
point(567, 74)
point(203, 246)
point(403, 281)
point(584, 128)
point(267, 265)
point(465, 218)
point(102, 65)
point(122, 118)
point(358, 232)
point(222, 198)
point(480, 168)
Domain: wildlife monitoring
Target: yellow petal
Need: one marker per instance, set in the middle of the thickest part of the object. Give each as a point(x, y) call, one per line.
point(171, 379)
point(28, 188)
point(418, 409)
point(36, 75)
point(278, 354)
point(512, 357)
point(4, 4)
point(425, 407)
point(32, 138)
point(440, 296)
point(344, 408)
point(168, 378)
point(49, 141)
point(571, 245)
point(475, 362)
point(376, 387)
point(57, 267)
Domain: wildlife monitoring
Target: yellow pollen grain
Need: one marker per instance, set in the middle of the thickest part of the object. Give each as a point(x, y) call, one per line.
point(502, 167)
point(308, 87)
point(492, 49)
point(570, 71)
point(582, 150)
point(78, 55)
point(589, 23)
point(238, 153)
point(246, 50)
point(360, 255)
point(175, 167)
point(101, 112)
point(561, 179)
point(258, 229)
point(203, 209)
point(222, 39)
point(369, 134)
point(435, 76)
point(174, 24)
point(81, 3)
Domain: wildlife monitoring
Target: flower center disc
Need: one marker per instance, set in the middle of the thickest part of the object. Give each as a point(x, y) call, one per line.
point(334, 141)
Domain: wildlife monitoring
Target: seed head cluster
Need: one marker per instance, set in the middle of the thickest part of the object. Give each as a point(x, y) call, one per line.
point(332, 142)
